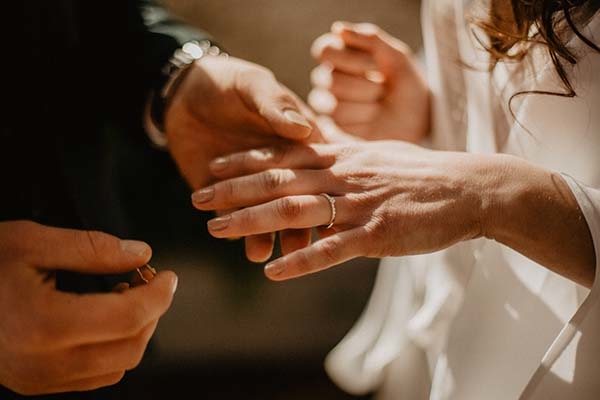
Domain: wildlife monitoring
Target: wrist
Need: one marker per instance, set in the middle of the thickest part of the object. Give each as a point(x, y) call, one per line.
point(173, 74)
point(515, 194)
point(493, 185)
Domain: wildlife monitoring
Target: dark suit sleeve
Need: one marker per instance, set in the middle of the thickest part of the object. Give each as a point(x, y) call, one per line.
point(164, 33)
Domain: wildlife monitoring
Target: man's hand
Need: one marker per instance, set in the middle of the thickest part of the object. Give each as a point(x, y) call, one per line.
point(52, 341)
point(226, 105)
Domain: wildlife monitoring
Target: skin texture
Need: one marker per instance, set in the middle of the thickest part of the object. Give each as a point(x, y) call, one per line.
point(369, 83)
point(52, 341)
point(394, 198)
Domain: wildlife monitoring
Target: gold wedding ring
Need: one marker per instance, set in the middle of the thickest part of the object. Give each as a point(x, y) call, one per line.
point(144, 274)
point(331, 201)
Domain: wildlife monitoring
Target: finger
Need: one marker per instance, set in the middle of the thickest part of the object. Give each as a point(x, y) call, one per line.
point(259, 248)
point(322, 101)
point(85, 384)
point(368, 37)
point(220, 213)
point(104, 358)
point(98, 359)
point(261, 187)
point(291, 240)
point(351, 113)
point(320, 255)
point(360, 36)
point(69, 319)
point(346, 87)
point(388, 52)
point(76, 250)
point(293, 212)
point(278, 105)
point(330, 49)
point(257, 160)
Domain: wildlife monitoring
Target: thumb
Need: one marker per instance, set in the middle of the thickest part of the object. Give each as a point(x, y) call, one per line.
point(82, 251)
point(279, 107)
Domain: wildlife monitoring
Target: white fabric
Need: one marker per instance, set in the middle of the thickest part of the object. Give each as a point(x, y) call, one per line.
point(478, 320)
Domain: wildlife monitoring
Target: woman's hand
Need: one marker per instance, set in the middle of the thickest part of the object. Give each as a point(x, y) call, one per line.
point(53, 341)
point(370, 84)
point(395, 198)
point(392, 198)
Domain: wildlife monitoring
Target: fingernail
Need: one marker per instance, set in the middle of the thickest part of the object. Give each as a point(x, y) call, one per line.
point(175, 282)
point(203, 195)
point(296, 118)
point(218, 224)
point(135, 247)
point(219, 164)
point(275, 268)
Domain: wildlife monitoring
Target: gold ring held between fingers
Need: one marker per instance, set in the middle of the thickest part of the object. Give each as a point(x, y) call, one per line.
point(331, 201)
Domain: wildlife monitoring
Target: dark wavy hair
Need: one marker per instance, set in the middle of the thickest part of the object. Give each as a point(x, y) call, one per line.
point(509, 24)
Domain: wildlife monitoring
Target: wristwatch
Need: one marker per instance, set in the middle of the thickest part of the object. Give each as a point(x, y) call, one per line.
point(172, 75)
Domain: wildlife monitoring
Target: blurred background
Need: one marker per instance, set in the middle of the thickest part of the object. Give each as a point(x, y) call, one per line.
point(231, 333)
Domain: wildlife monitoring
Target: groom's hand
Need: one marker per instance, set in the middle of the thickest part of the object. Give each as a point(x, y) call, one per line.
point(226, 105)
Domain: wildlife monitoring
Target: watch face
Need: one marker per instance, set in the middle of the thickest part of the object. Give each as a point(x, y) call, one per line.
point(195, 50)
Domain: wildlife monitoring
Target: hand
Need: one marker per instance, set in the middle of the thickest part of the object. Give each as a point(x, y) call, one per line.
point(392, 198)
point(370, 84)
point(52, 341)
point(226, 105)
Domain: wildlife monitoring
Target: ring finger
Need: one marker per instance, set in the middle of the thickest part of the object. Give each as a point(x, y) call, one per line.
point(293, 212)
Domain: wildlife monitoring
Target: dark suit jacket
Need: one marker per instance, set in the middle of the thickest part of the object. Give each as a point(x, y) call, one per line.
point(77, 74)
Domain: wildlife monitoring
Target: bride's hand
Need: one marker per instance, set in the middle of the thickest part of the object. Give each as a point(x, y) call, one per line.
point(370, 84)
point(391, 198)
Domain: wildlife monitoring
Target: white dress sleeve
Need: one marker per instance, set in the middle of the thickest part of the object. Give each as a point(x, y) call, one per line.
point(579, 339)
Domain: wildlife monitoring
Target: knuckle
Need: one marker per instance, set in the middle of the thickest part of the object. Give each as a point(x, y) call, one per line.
point(135, 318)
point(243, 218)
point(288, 208)
point(303, 263)
point(94, 245)
point(379, 230)
point(322, 43)
point(322, 76)
point(329, 250)
point(369, 30)
point(225, 190)
point(271, 180)
point(285, 98)
point(281, 155)
point(322, 100)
